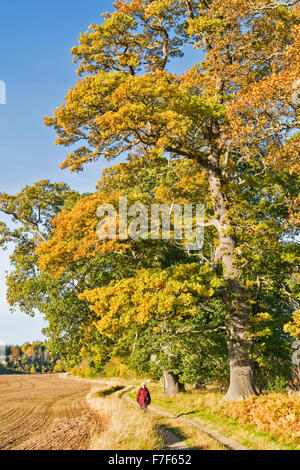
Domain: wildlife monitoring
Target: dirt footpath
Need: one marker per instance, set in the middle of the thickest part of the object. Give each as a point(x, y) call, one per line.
point(43, 412)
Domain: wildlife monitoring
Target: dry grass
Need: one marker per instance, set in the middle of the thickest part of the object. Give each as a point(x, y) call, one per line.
point(126, 428)
point(249, 425)
point(268, 422)
point(108, 391)
point(194, 438)
point(276, 412)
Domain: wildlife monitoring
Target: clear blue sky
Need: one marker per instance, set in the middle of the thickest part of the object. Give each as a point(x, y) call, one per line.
point(36, 65)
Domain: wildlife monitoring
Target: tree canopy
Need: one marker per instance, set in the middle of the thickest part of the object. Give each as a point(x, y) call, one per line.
point(223, 133)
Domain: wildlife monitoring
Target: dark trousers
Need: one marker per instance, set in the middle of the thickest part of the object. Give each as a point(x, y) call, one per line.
point(144, 407)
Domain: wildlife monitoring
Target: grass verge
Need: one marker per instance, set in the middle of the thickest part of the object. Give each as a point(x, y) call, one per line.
point(193, 438)
point(108, 391)
point(126, 427)
point(208, 408)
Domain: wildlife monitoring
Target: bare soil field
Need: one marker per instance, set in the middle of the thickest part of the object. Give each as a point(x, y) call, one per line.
point(44, 412)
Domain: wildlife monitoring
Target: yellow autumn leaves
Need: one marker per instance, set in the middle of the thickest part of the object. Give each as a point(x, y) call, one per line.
point(171, 294)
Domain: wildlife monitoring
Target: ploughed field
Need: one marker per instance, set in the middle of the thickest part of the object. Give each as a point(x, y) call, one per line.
point(44, 412)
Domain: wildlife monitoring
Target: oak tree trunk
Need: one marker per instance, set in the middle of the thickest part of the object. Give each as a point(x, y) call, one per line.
point(241, 366)
point(172, 386)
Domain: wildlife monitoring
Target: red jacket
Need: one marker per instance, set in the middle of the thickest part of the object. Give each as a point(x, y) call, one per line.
point(143, 396)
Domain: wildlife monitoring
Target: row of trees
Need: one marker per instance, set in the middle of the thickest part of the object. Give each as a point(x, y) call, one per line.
point(32, 357)
point(225, 133)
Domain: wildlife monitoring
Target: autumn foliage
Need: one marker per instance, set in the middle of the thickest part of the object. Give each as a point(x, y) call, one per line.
point(221, 129)
point(275, 413)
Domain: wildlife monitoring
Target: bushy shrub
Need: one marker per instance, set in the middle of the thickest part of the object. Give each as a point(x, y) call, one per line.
point(277, 413)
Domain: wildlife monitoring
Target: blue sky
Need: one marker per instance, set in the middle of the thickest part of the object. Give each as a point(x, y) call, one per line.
point(36, 65)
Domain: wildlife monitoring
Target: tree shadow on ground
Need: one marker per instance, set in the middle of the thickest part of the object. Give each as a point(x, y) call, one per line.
point(10, 371)
point(182, 437)
point(187, 413)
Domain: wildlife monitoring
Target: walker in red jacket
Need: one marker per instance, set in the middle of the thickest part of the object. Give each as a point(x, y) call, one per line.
point(143, 397)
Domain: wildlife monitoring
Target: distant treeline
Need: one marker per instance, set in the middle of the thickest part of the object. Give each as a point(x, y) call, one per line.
point(32, 357)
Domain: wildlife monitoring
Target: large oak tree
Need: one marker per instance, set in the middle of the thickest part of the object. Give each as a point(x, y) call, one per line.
point(234, 113)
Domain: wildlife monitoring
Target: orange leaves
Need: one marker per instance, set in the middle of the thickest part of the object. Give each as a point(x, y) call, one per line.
point(128, 100)
point(276, 413)
point(128, 7)
point(147, 179)
point(115, 112)
point(265, 101)
point(75, 237)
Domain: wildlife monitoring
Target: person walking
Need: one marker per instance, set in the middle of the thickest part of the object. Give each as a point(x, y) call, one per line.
point(143, 397)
